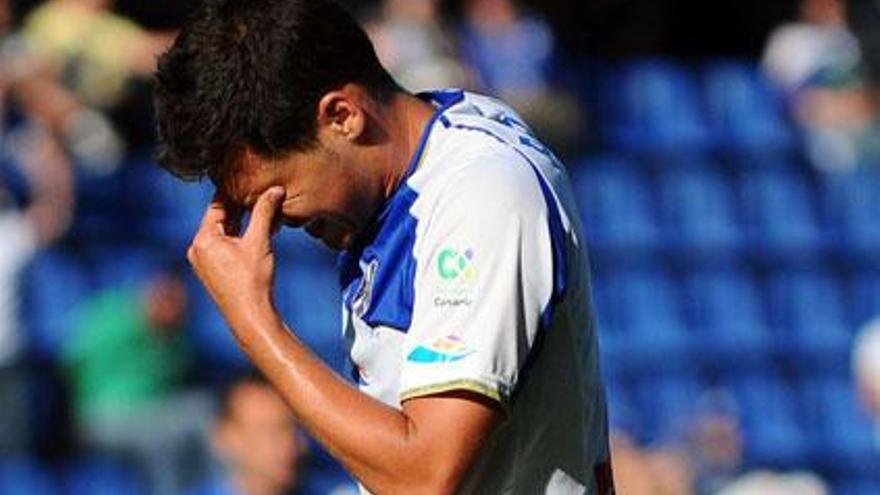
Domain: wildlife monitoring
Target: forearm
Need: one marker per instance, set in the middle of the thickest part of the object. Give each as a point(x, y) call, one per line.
point(426, 447)
point(378, 444)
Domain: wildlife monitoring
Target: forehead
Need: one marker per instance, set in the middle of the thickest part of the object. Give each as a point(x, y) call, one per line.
point(245, 178)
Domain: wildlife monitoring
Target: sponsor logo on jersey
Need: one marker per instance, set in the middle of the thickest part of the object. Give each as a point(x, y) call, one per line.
point(447, 349)
point(455, 266)
point(457, 278)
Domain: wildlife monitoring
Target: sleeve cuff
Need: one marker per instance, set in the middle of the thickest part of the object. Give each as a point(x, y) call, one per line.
point(480, 387)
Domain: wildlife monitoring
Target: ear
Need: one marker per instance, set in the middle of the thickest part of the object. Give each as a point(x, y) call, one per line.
point(341, 112)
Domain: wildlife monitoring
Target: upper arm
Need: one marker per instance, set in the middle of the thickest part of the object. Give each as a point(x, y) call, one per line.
point(451, 428)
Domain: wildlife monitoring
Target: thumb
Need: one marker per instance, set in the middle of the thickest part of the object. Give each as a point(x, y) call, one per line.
point(263, 214)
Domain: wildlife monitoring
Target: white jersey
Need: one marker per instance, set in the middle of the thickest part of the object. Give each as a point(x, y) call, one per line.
point(475, 277)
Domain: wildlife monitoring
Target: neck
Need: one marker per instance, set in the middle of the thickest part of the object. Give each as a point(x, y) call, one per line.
point(408, 118)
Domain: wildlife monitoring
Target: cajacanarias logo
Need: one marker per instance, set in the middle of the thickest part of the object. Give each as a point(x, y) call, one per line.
point(452, 265)
point(457, 278)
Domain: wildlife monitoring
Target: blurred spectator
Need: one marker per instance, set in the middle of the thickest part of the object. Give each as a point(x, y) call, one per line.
point(415, 48)
point(767, 483)
point(126, 364)
point(91, 49)
point(256, 438)
point(45, 217)
point(818, 64)
point(866, 368)
point(75, 63)
point(716, 442)
point(639, 471)
point(26, 81)
point(513, 55)
point(28, 152)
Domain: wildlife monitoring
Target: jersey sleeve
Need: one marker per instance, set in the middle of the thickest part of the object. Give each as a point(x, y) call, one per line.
point(484, 276)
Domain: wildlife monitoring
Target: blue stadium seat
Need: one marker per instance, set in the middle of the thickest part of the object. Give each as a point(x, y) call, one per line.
point(54, 286)
point(624, 411)
point(297, 246)
point(616, 207)
point(865, 291)
point(851, 200)
point(645, 306)
point(652, 105)
point(309, 297)
point(323, 474)
point(121, 266)
point(100, 476)
point(773, 433)
point(670, 405)
point(23, 476)
point(780, 215)
point(613, 343)
point(100, 205)
point(730, 329)
point(745, 113)
point(699, 214)
point(858, 487)
point(167, 211)
point(807, 309)
point(841, 433)
point(210, 334)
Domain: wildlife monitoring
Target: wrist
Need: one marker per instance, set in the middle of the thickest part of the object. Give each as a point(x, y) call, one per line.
point(255, 317)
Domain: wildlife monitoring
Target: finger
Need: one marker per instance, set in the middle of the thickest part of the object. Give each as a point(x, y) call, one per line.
point(234, 215)
point(263, 215)
point(214, 219)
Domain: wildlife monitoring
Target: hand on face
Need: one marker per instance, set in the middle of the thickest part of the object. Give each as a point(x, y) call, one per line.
point(237, 271)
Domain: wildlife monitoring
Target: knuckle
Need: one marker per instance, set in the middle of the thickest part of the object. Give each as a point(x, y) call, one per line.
point(199, 245)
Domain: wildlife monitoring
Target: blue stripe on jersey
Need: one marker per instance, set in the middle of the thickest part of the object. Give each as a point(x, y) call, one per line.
point(388, 245)
point(557, 241)
point(393, 286)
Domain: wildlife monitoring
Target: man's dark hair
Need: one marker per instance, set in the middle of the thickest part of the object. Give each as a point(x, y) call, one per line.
point(250, 73)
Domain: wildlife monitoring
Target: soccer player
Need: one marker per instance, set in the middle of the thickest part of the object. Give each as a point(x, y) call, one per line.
point(464, 275)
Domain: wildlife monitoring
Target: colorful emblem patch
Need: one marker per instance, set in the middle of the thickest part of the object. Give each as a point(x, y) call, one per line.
point(447, 349)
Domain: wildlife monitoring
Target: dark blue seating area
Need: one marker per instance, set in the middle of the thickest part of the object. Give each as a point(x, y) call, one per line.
point(84, 476)
point(721, 260)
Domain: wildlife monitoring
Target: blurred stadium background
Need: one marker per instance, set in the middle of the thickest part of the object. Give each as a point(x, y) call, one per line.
point(727, 159)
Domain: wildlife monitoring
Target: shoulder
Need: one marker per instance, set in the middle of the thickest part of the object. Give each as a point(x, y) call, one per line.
point(489, 181)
